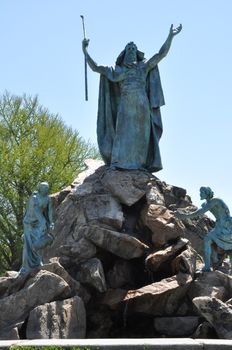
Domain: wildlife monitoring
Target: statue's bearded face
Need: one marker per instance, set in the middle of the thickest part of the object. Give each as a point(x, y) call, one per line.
point(130, 53)
point(203, 194)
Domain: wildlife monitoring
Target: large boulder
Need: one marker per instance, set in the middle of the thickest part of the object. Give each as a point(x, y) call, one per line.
point(185, 262)
point(162, 223)
point(127, 186)
point(64, 319)
point(59, 197)
point(175, 197)
point(70, 214)
point(93, 168)
point(103, 208)
point(91, 272)
point(120, 244)
point(204, 331)
point(157, 260)
point(75, 287)
point(154, 194)
point(176, 326)
point(11, 285)
point(196, 229)
point(160, 298)
point(113, 298)
point(210, 284)
point(217, 313)
point(79, 250)
point(10, 333)
point(42, 288)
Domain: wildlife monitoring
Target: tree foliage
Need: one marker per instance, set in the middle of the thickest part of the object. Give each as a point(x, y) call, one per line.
point(35, 146)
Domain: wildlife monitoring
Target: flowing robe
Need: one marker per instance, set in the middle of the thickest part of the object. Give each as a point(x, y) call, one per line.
point(129, 122)
point(36, 224)
point(221, 234)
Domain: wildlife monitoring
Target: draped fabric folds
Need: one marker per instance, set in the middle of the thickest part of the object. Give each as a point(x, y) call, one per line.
point(130, 123)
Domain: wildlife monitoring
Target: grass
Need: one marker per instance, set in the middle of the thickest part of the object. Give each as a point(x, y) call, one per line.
point(51, 348)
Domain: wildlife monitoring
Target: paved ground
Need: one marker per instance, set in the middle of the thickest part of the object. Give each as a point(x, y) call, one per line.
point(126, 344)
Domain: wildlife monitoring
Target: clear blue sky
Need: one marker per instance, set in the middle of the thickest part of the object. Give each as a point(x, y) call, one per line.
point(41, 55)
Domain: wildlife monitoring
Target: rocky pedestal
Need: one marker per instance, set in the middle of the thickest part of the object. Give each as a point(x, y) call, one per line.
point(121, 265)
point(65, 319)
point(38, 290)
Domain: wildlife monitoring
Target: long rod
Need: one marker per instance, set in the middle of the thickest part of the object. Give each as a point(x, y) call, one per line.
point(86, 81)
point(85, 62)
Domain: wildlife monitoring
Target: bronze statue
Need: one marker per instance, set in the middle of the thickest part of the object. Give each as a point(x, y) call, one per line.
point(221, 234)
point(129, 122)
point(37, 224)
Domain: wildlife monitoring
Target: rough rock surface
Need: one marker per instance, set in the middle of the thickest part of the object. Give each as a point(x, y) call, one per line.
point(217, 313)
point(212, 284)
point(69, 215)
point(160, 298)
point(155, 260)
point(204, 331)
point(91, 272)
point(9, 334)
point(64, 319)
point(185, 262)
point(122, 274)
point(162, 223)
point(42, 288)
point(176, 326)
point(79, 250)
point(127, 186)
point(75, 287)
point(103, 208)
point(113, 298)
point(120, 244)
point(118, 247)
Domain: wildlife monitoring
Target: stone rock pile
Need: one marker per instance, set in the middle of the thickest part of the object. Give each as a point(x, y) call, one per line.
point(121, 265)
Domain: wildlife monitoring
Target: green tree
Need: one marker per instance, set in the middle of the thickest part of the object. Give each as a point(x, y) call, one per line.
point(35, 146)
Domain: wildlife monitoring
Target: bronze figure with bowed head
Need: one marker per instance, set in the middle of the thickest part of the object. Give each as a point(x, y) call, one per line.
point(221, 234)
point(37, 223)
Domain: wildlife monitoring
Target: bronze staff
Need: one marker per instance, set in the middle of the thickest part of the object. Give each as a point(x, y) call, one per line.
point(86, 82)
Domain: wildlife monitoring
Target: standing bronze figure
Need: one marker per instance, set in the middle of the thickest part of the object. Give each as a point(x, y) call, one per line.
point(129, 123)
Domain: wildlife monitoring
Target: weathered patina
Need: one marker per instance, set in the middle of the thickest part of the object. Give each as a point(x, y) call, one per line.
point(129, 123)
point(37, 225)
point(221, 234)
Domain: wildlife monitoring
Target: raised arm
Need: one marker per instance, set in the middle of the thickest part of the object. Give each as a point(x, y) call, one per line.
point(50, 214)
point(110, 73)
point(154, 60)
point(93, 65)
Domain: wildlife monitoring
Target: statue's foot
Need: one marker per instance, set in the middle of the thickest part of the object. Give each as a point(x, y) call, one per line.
point(204, 269)
point(113, 167)
point(22, 272)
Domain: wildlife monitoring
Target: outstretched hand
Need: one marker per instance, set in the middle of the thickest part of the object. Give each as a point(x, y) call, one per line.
point(174, 31)
point(85, 44)
point(179, 215)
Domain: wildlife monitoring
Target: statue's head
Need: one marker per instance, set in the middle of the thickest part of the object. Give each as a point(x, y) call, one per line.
point(43, 188)
point(130, 55)
point(206, 193)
